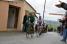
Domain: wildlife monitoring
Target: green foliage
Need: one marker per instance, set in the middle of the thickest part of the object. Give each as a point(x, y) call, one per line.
point(52, 26)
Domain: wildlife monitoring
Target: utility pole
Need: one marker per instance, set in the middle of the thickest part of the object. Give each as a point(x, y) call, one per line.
point(44, 10)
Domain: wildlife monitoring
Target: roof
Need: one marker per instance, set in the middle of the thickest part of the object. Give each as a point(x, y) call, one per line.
point(30, 5)
point(55, 14)
point(22, 0)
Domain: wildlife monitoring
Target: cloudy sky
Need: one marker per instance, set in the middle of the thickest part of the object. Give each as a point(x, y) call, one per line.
point(50, 8)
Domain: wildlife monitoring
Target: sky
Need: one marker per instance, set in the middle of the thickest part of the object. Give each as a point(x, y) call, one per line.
point(50, 8)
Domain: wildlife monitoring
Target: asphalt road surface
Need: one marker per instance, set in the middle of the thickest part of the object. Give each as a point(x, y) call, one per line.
point(20, 38)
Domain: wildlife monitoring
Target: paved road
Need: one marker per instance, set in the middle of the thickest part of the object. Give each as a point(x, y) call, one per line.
point(19, 38)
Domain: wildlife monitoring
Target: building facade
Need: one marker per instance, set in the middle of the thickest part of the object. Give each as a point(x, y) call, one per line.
point(12, 14)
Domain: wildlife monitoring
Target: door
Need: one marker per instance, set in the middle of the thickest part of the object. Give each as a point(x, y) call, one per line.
point(13, 16)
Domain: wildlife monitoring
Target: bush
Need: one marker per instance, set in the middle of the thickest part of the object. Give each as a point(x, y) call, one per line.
point(51, 29)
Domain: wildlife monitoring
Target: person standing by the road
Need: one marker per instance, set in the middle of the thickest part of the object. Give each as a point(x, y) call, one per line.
point(24, 21)
point(65, 30)
point(64, 6)
point(27, 25)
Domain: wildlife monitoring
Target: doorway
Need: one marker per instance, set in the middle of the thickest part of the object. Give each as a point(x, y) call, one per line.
point(13, 17)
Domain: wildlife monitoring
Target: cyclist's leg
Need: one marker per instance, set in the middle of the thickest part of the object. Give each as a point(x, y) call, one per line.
point(27, 32)
point(32, 31)
point(37, 32)
point(40, 30)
